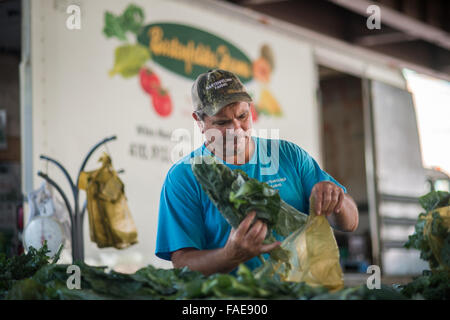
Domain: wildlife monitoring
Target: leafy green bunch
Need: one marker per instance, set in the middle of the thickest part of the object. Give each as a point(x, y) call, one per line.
point(420, 240)
point(245, 285)
point(38, 278)
point(50, 282)
point(435, 284)
point(235, 195)
point(20, 267)
point(430, 285)
point(362, 292)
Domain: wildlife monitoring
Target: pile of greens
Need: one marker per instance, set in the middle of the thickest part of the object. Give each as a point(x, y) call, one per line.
point(235, 195)
point(24, 266)
point(420, 240)
point(34, 275)
point(49, 282)
point(433, 284)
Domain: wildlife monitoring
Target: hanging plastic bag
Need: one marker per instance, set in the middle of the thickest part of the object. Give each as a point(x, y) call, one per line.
point(314, 254)
point(436, 230)
point(40, 202)
point(43, 202)
point(110, 220)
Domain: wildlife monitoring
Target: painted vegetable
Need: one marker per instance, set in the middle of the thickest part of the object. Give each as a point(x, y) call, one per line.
point(162, 103)
point(149, 80)
point(262, 70)
point(268, 104)
point(128, 60)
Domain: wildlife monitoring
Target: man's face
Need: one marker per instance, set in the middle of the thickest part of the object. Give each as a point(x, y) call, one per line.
point(229, 131)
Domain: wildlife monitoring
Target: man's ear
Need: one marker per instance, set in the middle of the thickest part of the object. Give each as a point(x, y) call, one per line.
point(199, 121)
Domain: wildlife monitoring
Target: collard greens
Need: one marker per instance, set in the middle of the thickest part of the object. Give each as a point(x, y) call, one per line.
point(34, 276)
point(235, 195)
point(150, 283)
point(432, 230)
point(432, 239)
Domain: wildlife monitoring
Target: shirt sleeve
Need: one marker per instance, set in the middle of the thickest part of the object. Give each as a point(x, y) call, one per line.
point(311, 173)
point(180, 222)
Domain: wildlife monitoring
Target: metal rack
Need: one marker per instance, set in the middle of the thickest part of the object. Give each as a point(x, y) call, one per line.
point(77, 213)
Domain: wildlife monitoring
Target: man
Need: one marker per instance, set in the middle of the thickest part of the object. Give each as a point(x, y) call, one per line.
point(191, 231)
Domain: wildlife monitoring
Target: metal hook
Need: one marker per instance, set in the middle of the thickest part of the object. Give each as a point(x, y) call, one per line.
point(107, 150)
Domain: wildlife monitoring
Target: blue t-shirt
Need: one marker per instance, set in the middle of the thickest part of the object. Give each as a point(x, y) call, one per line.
point(188, 218)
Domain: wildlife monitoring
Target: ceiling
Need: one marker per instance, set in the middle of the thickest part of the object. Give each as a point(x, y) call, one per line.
point(415, 31)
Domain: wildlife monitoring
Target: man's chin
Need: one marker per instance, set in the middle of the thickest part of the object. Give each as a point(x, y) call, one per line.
point(234, 151)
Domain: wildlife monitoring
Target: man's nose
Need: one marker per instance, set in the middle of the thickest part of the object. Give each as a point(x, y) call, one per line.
point(236, 124)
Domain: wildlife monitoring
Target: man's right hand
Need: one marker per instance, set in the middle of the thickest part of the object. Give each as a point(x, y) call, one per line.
point(246, 241)
point(243, 244)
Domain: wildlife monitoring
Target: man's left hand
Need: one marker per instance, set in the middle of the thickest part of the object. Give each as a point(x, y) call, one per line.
point(329, 198)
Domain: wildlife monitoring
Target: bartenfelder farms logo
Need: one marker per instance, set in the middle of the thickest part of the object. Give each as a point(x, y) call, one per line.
point(184, 50)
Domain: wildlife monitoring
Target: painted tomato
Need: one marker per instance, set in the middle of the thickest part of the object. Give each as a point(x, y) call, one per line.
point(150, 82)
point(162, 103)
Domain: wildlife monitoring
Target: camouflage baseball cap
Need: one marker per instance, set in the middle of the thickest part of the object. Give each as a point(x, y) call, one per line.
point(215, 89)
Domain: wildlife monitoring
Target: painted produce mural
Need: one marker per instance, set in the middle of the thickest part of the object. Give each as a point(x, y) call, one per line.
point(187, 52)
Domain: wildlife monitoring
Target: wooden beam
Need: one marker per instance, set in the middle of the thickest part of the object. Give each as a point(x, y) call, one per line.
point(380, 39)
point(400, 22)
point(257, 2)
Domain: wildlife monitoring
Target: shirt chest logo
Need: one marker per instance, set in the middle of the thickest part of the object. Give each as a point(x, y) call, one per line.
point(276, 183)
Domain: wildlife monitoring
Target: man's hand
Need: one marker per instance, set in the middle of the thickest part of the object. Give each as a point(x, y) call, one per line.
point(328, 196)
point(246, 241)
point(243, 244)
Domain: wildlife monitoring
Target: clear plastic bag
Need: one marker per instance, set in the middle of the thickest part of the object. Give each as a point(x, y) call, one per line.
point(44, 202)
point(314, 255)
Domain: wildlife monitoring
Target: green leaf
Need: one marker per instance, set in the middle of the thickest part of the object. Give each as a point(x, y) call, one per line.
point(113, 27)
point(131, 20)
point(420, 240)
point(129, 59)
point(430, 286)
point(437, 226)
point(434, 200)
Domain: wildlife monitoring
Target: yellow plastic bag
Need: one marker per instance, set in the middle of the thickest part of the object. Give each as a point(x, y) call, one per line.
point(314, 255)
point(110, 220)
point(436, 243)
